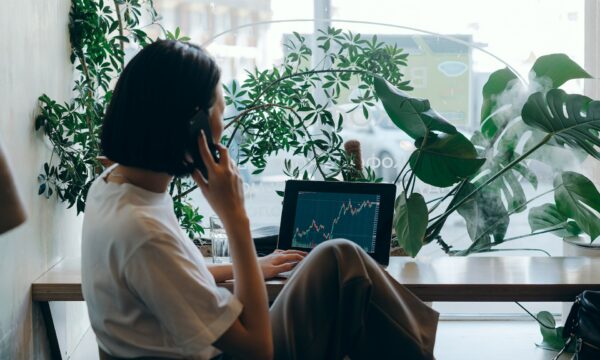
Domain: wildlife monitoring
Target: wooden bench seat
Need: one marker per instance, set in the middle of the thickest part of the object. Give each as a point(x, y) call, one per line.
point(437, 279)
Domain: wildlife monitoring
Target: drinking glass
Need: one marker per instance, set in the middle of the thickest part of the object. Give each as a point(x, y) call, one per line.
point(219, 240)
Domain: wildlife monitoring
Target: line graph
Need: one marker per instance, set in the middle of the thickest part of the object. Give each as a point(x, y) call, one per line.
point(323, 216)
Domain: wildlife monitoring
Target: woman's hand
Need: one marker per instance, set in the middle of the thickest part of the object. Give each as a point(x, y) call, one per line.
point(280, 261)
point(224, 189)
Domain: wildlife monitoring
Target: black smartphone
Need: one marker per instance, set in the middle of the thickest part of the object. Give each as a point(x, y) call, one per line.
point(198, 123)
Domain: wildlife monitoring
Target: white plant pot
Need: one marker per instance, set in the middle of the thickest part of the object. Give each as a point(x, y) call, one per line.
point(578, 246)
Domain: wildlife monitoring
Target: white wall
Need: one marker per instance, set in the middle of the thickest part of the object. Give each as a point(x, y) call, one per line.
point(34, 59)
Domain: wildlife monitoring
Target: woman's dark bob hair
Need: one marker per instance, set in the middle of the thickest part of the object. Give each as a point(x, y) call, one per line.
point(159, 91)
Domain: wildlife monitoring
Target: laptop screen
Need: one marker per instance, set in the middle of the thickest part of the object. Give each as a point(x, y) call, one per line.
point(317, 211)
point(321, 216)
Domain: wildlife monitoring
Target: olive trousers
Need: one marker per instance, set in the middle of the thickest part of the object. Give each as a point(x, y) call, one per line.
point(339, 302)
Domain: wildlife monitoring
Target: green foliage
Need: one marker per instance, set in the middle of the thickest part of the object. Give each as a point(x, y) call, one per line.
point(486, 216)
point(413, 116)
point(496, 84)
point(289, 107)
point(285, 108)
point(572, 120)
point(547, 216)
point(410, 222)
point(444, 160)
point(577, 198)
point(488, 172)
point(558, 68)
point(551, 335)
point(99, 33)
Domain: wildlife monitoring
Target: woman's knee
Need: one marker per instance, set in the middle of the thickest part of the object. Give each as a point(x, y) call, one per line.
point(336, 249)
point(343, 245)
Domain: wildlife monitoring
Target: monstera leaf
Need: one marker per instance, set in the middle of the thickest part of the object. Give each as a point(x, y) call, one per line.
point(485, 214)
point(445, 160)
point(496, 84)
point(558, 68)
point(577, 198)
point(509, 184)
point(549, 71)
point(413, 116)
point(573, 120)
point(547, 216)
point(410, 222)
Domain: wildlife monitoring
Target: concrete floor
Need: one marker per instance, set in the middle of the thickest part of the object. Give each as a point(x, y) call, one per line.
point(456, 340)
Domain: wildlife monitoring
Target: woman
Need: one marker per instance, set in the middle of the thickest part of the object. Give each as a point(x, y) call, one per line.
point(150, 293)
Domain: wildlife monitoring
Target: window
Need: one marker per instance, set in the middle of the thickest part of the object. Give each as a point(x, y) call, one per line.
point(453, 46)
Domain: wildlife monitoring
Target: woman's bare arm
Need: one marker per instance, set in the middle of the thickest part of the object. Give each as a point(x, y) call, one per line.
point(250, 336)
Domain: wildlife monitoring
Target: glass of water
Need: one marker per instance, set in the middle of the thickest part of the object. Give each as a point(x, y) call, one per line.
point(220, 243)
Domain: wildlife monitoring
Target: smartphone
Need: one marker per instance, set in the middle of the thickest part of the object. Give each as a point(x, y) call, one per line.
point(198, 123)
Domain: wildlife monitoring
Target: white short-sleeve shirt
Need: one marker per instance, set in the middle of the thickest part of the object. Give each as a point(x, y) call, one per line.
point(146, 285)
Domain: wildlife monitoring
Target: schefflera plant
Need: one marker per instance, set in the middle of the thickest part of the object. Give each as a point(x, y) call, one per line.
point(486, 173)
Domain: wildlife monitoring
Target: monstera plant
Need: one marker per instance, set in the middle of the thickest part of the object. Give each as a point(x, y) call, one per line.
point(484, 175)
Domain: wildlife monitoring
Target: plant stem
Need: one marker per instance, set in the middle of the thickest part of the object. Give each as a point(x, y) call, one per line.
point(519, 249)
point(489, 246)
point(436, 199)
point(493, 226)
point(90, 94)
point(495, 176)
point(533, 316)
point(411, 179)
point(242, 114)
point(237, 119)
point(450, 193)
point(121, 32)
point(401, 171)
point(314, 149)
point(532, 234)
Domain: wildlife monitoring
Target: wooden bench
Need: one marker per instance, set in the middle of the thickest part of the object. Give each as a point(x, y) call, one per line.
point(437, 279)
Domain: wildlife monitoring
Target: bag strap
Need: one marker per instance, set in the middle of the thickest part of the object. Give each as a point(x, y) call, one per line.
point(571, 323)
point(567, 343)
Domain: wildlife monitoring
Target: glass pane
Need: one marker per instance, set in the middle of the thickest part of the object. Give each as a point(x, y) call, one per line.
point(452, 46)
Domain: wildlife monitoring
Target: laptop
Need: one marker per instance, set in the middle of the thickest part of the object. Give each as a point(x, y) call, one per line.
point(318, 211)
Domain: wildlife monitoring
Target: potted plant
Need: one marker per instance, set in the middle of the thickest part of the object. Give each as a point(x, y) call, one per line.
point(276, 109)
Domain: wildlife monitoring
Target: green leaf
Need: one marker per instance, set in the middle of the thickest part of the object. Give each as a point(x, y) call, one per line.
point(410, 222)
point(413, 116)
point(484, 213)
point(527, 174)
point(573, 120)
point(495, 85)
point(547, 216)
point(445, 160)
point(551, 335)
point(576, 197)
point(559, 68)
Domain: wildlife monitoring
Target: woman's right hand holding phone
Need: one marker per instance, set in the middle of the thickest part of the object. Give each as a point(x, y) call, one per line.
point(250, 336)
point(223, 189)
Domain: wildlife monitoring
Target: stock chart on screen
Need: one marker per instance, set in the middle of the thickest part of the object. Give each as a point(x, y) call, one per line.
point(321, 216)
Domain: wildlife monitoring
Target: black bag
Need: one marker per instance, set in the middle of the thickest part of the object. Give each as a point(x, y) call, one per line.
point(583, 326)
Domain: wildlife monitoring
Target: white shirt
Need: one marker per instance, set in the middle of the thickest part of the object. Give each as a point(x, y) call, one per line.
point(146, 285)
